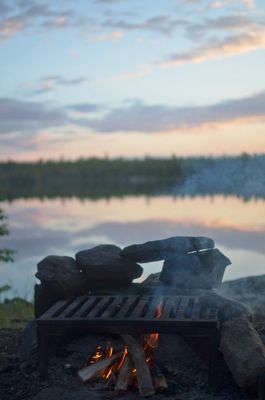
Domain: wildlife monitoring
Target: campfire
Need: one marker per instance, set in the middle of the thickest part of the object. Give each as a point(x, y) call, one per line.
point(95, 294)
point(133, 367)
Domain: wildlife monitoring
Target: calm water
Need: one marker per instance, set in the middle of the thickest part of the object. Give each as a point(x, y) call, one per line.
point(63, 227)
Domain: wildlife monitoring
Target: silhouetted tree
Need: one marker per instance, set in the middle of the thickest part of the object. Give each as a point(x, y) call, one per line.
point(5, 254)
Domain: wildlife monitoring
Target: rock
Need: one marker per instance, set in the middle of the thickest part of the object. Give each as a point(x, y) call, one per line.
point(183, 270)
point(104, 267)
point(196, 270)
point(214, 263)
point(61, 275)
point(243, 351)
point(249, 290)
point(228, 308)
point(161, 249)
point(27, 351)
point(44, 298)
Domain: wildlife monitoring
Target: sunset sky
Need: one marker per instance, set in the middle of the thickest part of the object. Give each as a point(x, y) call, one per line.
point(131, 78)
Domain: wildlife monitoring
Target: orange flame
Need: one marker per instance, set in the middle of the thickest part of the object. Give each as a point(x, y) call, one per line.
point(152, 339)
point(150, 343)
point(123, 358)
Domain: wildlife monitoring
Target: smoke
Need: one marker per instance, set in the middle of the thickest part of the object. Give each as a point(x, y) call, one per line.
point(242, 176)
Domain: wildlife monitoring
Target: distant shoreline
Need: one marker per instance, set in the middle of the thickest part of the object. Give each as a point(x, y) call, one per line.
point(96, 178)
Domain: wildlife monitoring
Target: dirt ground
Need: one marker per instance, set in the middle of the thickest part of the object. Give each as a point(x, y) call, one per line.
point(186, 381)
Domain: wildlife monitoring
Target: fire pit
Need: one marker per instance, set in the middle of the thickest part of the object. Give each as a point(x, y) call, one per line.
point(95, 294)
point(182, 315)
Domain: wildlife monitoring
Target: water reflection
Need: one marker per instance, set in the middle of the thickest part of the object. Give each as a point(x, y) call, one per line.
point(39, 228)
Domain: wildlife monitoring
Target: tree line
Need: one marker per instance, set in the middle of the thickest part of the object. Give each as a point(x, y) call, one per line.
point(93, 177)
point(103, 178)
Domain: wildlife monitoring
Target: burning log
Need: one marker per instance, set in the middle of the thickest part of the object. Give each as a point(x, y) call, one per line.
point(146, 387)
point(93, 370)
point(124, 375)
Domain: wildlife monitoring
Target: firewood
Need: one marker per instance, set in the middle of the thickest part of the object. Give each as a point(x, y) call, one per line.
point(160, 382)
point(124, 375)
point(94, 370)
point(146, 387)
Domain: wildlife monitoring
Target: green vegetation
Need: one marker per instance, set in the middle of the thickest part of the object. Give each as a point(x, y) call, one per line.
point(5, 254)
point(15, 313)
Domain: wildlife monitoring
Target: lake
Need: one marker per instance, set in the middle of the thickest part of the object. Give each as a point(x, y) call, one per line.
point(39, 227)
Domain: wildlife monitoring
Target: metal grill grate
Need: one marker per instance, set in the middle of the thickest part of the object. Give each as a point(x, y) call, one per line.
point(136, 308)
point(181, 315)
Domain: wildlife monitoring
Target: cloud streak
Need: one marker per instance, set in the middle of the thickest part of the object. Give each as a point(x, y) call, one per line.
point(164, 24)
point(35, 16)
point(215, 49)
point(28, 117)
point(224, 23)
point(52, 82)
point(140, 117)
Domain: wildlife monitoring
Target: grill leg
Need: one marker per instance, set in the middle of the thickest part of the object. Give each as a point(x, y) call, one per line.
point(207, 348)
point(44, 354)
point(213, 360)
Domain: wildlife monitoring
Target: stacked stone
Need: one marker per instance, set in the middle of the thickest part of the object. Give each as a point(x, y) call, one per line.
point(98, 268)
point(189, 262)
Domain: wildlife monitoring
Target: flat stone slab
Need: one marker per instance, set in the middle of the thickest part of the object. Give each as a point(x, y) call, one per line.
point(161, 249)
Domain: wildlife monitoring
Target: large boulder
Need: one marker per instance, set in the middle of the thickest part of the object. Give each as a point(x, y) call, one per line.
point(104, 267)
point(243, 351)
point(161, 249)
point(61, 275)
point(228, 308)
point(249, 290)
point(199, 270)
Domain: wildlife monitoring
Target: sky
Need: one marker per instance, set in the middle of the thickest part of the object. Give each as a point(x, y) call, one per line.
point(131, 78)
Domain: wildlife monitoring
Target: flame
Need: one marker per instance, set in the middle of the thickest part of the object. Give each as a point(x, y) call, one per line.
point(101, 353)
point(159, 311)
point(96, 356)
point(150, 343)
point(123, 358)
point(152, 339)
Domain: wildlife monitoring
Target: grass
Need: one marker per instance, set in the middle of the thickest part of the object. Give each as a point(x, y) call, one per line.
point(15, 313)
